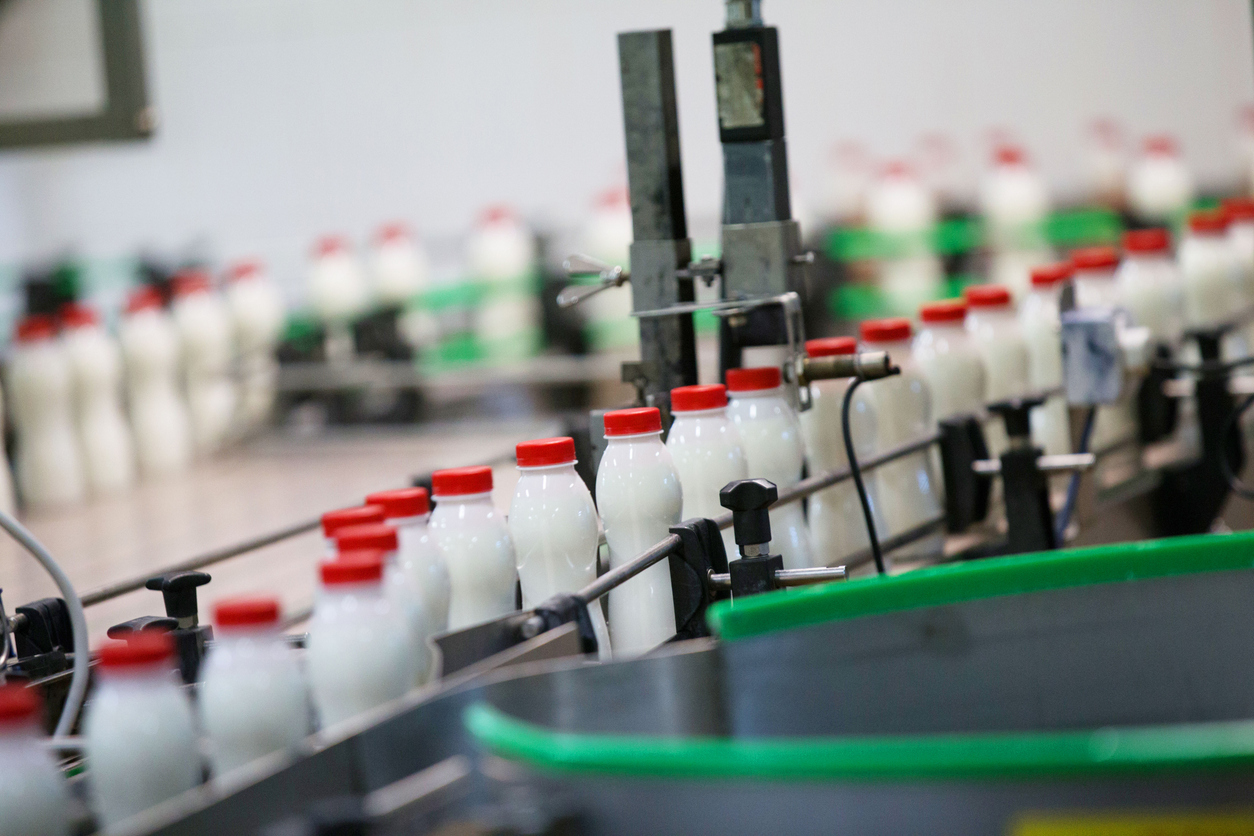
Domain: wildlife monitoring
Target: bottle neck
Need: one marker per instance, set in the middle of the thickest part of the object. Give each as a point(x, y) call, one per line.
point(418, 521)
point(776, 392)
point(564, 467)
point(717, 412)
point(637, 438)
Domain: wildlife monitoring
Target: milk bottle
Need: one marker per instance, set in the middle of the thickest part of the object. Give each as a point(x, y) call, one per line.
point(34, 800)
point(333, 521)
point(402, 589)
point(707, 452)
point(501, 253)
point(553, 524)
point(1015, 204)
point(1240, 212)
point(1160, 187)
point(995, 331)
point(771, 437)
point(900, 207)
point(475, 544)
point(950, 364)
point(337, 285)
point(257, 313)
point(150, 347)
point(1094, 277)
point(205, 333)
point(359, 651)
point(408, 510)
point(607, 315)
point(104, 435)
point(639, 496)
point(837, 524)
point(1040, 319)
point(252, 695)
point(1150, 285)
point(902, 407)
point(401, 268)
point(1211, 271)
point(139, 733)
point(49, 468)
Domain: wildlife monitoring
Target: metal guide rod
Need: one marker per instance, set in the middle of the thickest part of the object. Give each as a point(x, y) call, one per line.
point(788, 577)
point(628, 570)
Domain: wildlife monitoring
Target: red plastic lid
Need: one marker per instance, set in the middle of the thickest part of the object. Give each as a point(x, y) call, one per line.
point(77, 315)
point(243, 270)
point(1161, 144)
point(188, 282)
point(1095, 258)
point(1048, 275)
point(885, 330)
point(897, 168)
point(144, 298)
point(831, 346)
point(1239, 208)
point(330, 245)
point(353, 538)
point(18, 704)
point(1209, 221)
point(987, 296)
point(644, 419)
point(947, 310)
point(390, 233)
point(461, 481)
point(361, 566)
point(333, 521)
point(1146, 241)
point(402, 502)
point(1009, 155)
point(147, 647)
point(753, 380)
point(544, 452)
point(615, 198)
point(697, 398)
point(246, 612)
point(497, 213)
point(34, 327)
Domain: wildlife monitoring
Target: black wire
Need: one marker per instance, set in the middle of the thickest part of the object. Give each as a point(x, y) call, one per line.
point(856, 471)
point(1073, 487)
point(1238, 487)
point(1206, 367)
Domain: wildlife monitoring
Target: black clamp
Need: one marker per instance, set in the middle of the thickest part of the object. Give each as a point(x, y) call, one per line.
point(749, 500)
point(1029, 517)
point(966, 492)
point(700, 553)
point(564, 608)
point(142, 624)
point(178, 592)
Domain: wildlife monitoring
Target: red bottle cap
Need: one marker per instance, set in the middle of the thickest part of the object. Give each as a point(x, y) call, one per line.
point(77, 315)
point(147, 647)
point(362, 566)
point(753, 380)
point(357, 537)
point(1209, 221)
point(330, 245)
point(402, 502)
point(885, 330)
point(393, 232)
point(831, 346)
point(987, 296)
point(35, 327)
point(461, 481)
point(947, 310)
point(1162, 145)
point(188, 282)
point(1048, 275)
point(144, 298)
point(19, 705)
point(697, 398)
point(1095, 258)
point(1146, 241)
point(246, 612)
point(1239, 208)
point(333, 521)
point(645, 419)
point(243, 270)
point(545, 452)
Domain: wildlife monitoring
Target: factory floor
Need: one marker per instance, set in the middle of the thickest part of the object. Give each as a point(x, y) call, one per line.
point(270, 483)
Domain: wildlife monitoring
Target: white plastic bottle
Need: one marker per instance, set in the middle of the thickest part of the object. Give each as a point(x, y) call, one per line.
point(1094, 278)
point(257, 313)
point(1150, 284)
point(338, 290)
point(34, 800)
point(501, 253)
point(707, 452)
point(400, 266)
point(253, 698)
point(48, 463)
point(150, 347)
point(475, 544)
point(402, 589)
point(408, 510)
point(103, 433)
point(1015, 204)
point(908, 492)
point(1211, 271)
point(902, 209)
point(205, 335)
point(1240, 212)
point(771, 436)
point(607, 315)
point(837, 524)
point(639, 497)
point(995, 330)
point(359, 651)
point(948, 361)
point(1160, 187)
point(553, 523)
point(140, 735)
point(1040, 319)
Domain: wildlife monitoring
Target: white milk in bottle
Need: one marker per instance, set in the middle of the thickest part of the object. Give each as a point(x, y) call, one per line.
point(1150, 284)
point(553, 523)
point(400, 266)
point(408, 510)
point(139, 731)
point(707, 452)
point(994, 329)
point(205, 334)
point(1040, 319)
point(1240, 212)
point(1211, 272)
point(1015, 204)
point(902, 208)
point(48, 462)
point(253, 699)
point(1160, 187)
point(639, 497)
point(257, 313)
point(475, 544)
point(501, 253)
point(907, 488)
point(150, 347)
point(950, 364)
point(104, 435)
point(34, 800)
point(338, 290)
point(837, 524)
point(359, 650)
point(1094, 278)
point(771, 436)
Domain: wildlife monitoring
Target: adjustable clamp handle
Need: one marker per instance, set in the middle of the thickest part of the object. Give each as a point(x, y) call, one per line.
point(1016, 414)
point(585, 265)
point(749, 501)
point(142, 624)
point(178, 590)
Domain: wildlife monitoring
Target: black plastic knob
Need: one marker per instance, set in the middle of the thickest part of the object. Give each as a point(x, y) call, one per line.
point(178, 589)
point(1016, 414)
point(748, 500)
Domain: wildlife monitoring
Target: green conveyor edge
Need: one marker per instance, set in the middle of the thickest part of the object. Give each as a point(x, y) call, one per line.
point(951, 583)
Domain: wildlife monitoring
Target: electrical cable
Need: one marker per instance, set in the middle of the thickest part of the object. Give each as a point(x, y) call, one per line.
point(1073, 487)
point(1234, 481)
point(856, 471)
point(78, 622)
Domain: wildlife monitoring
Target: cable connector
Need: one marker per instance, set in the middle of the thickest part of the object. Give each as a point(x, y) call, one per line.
point(866, 365)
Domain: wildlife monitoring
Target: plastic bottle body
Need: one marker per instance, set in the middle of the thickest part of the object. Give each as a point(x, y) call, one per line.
point(952, 367)
point(419, 557)
point(639, 496)
point(47, 460)
point(140, 743)
point(252, 698)
point(163, 442)
point(205, 333)
point(1004, 352)
point(771, 436)
point(34, 800)
point(108, 451)
point(477, 550)
point(1041, 323)
point(1212, 280)
point(1151, 289)
point(707, 452)
point(257, 312)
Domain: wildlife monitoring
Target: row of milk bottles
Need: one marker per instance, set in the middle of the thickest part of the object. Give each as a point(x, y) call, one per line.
point(91, 411)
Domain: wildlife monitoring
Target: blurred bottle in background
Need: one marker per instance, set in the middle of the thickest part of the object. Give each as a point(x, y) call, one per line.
point(902, 209)
point(500, 254)
point(1160, 187)
point(338, 293)
point(607, 236)
point(258, 315)
point(1015, 204)
point(205, 335)
point(1107, 162)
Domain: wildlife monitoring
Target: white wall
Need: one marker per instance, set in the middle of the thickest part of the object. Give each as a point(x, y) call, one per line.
point(283, 119)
